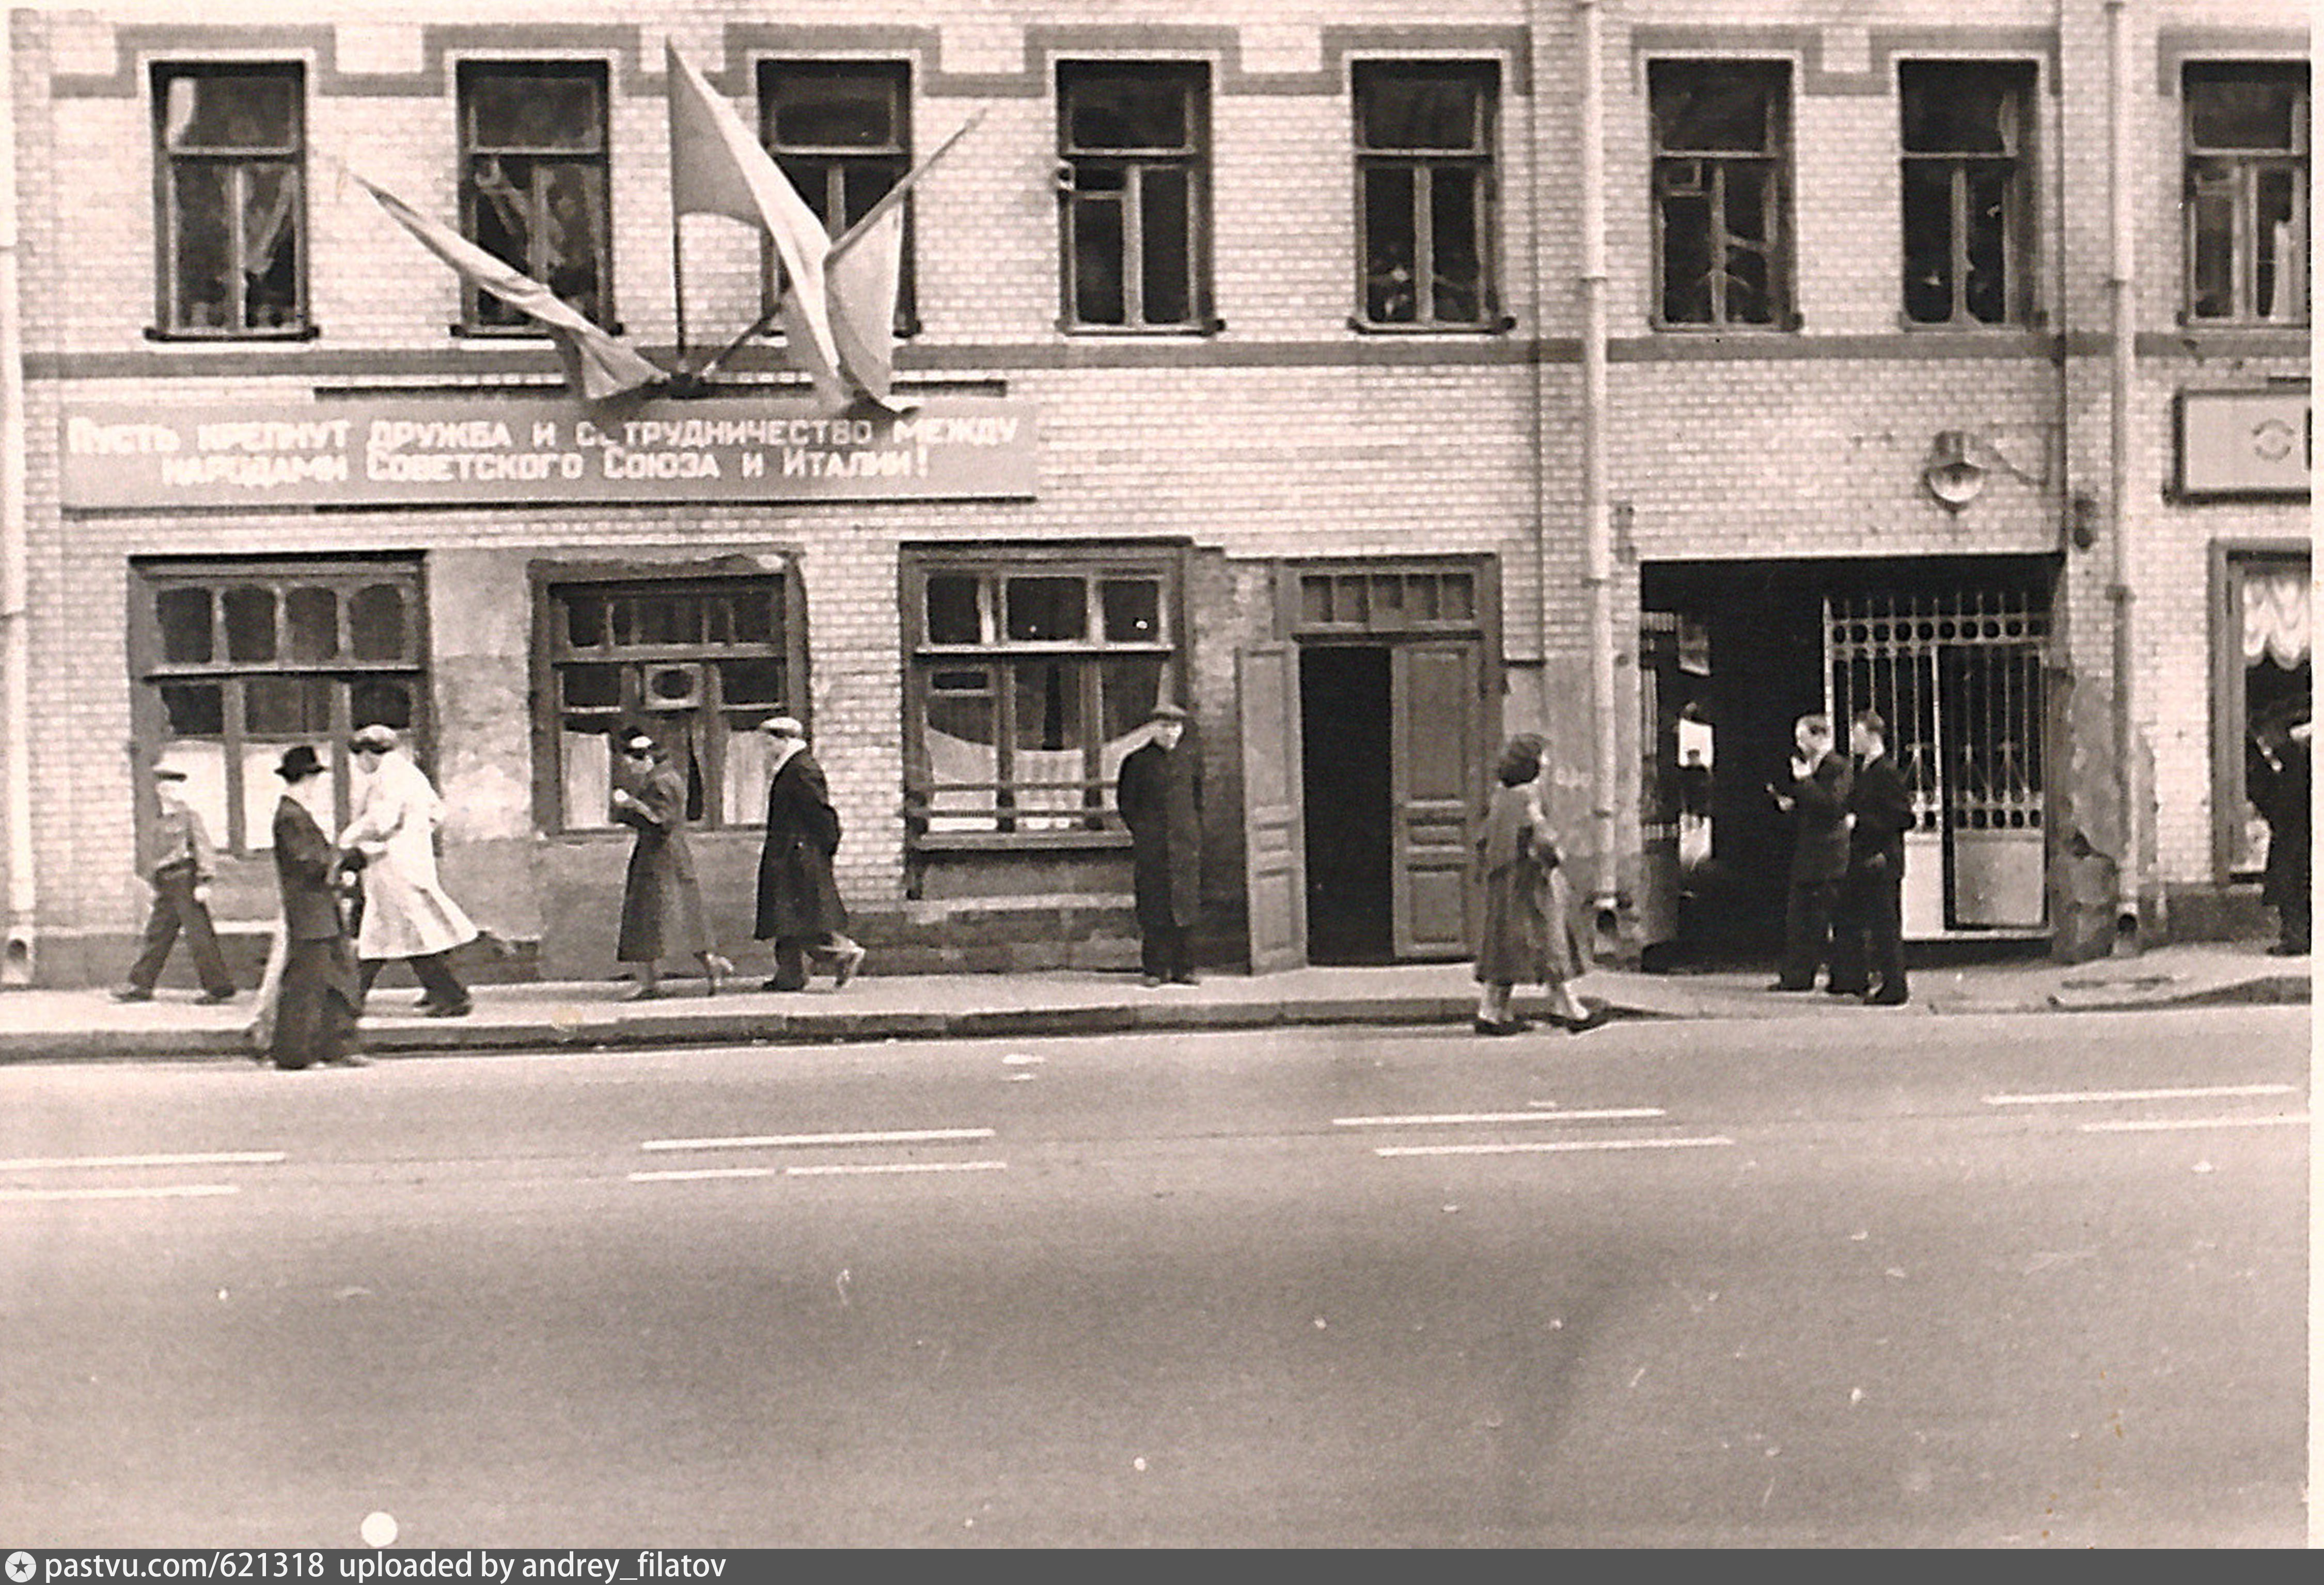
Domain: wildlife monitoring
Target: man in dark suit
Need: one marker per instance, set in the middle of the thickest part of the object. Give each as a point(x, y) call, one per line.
point(1817, 801)
point(1160, 797)
point(1871, 913)
point(799, 907)
point(2278, 778)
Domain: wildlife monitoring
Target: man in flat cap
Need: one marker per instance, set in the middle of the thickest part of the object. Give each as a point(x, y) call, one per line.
point(799, 907)
point(1160, 797)
point(178, 862)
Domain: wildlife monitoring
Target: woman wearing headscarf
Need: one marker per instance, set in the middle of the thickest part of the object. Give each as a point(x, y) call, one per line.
point(1527, 936)
point(661, 900)
point(315, 1005)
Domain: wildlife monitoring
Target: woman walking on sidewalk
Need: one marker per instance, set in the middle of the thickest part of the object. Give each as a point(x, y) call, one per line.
point(1527, 934)
point(661, 900)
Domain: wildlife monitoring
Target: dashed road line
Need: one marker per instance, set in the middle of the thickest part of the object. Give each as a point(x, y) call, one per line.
point(2191, 1092)
point(1462, 1118)
point(206, 1158)
point(2165, 1125)
point(157, 1192)
point(865, 1168)
point(1545, 1147)
point(802, 1141)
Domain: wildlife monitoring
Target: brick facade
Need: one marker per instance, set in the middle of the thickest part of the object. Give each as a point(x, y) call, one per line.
point(1284, 434)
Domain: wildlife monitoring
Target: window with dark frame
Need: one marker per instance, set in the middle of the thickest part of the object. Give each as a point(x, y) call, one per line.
point(231, 146)
point(1133, 180)
point(1722, 158)
point(1967, 135)
point(2246, 192)
point(1424, 191)
point(534, 183)
point(696, 662)
point(237, 661)
point(1030, 679)
point(842, 132)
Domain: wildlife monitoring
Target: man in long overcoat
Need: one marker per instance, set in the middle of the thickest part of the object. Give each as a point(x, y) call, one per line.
point(1817, 801)
point(1160, 797)
point(800, 907)
point(315, 1009)
point(2279, 787)
point(1868, 933)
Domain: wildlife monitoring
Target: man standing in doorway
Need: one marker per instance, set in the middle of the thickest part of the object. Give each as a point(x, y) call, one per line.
point(178, 866)
point(1160, 797)
point(1867, 936)
point(1817, 801)
point(799, 907)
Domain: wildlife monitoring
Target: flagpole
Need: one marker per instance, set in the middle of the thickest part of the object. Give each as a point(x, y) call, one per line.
point(758, 326)
point(677, 272)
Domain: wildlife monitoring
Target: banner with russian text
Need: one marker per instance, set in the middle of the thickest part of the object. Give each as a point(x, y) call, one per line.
point(503, 451)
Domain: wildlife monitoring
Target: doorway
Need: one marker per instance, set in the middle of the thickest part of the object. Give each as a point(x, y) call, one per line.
point(1345, 759)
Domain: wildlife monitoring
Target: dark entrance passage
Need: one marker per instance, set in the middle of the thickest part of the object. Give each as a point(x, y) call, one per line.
point(1345, 759)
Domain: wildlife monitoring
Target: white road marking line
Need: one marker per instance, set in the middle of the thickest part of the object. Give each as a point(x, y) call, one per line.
point(839, 1169)
point(1424, 1119)
point(690, 1177)
point(1540, 1146)
point(2070, 1097)
point(761, 1141)
point(159, 1192)
point(2162, 1125)
point(213, 1158)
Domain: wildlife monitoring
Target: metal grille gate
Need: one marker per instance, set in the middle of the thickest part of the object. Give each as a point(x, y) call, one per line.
point(1957, 676)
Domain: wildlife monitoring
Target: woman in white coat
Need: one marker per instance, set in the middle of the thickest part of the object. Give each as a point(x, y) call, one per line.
point(406, 912)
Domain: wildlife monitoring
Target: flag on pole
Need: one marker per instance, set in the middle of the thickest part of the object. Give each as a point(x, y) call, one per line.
point(862, 284)
point(597, 363)
point(717, 167)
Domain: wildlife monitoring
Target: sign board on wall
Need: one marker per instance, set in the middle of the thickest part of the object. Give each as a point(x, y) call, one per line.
point(501, 451)
point(2245, 443)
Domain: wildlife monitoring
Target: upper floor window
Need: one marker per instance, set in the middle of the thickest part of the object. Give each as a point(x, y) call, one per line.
point(1424, 185)
point(234, 661)
point(1967, 173)
point(2246, 193)
point(696, 662)
point(233, 222)
point(1722, 158)
point(533, 182)
point(842, 132)
point(1133, 175)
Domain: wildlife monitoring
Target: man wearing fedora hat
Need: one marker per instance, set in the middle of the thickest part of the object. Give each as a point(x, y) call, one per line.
point(316, 1008)
point(1160, 799)
point(177, 863)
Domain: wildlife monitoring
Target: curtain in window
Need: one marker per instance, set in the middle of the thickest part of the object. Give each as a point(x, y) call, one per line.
point(2276, 615)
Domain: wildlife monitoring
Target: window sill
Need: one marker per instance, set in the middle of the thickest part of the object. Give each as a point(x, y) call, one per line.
point(460, 332)
point(1141, 332)
point(1363, 326)
point(231, 337)
point(1003, 841)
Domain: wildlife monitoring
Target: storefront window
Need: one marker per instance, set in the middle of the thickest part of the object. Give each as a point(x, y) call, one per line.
point(1029, 684)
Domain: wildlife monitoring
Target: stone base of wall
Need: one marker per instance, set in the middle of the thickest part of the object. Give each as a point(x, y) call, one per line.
point(2220, 913)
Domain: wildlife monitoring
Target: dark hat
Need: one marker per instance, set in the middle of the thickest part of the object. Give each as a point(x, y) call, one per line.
point(168, 773)
point(299, 761)
point(1166, 711)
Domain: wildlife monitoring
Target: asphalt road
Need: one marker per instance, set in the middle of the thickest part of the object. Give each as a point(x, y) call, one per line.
point(2019, 1281)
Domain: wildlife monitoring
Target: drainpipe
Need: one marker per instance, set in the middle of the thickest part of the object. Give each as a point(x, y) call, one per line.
point(2122, 354)
point(16, 954)
point(1597, 528)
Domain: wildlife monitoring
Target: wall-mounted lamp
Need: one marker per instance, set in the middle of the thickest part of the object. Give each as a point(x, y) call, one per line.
point(2082, 520)
point(1950, 474)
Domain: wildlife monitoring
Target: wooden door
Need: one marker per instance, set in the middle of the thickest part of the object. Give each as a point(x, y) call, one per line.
point(1437, 778)
point(1266, 688)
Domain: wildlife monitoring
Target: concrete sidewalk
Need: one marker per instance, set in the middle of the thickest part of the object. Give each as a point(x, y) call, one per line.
point(79, 1025)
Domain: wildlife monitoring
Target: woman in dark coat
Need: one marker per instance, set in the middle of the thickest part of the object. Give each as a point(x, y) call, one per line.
point(1527, 933)
point(800, 907)
point(319, 992)
point(661, 901)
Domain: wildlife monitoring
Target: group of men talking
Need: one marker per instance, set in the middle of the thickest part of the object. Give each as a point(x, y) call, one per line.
point(1845, 909)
